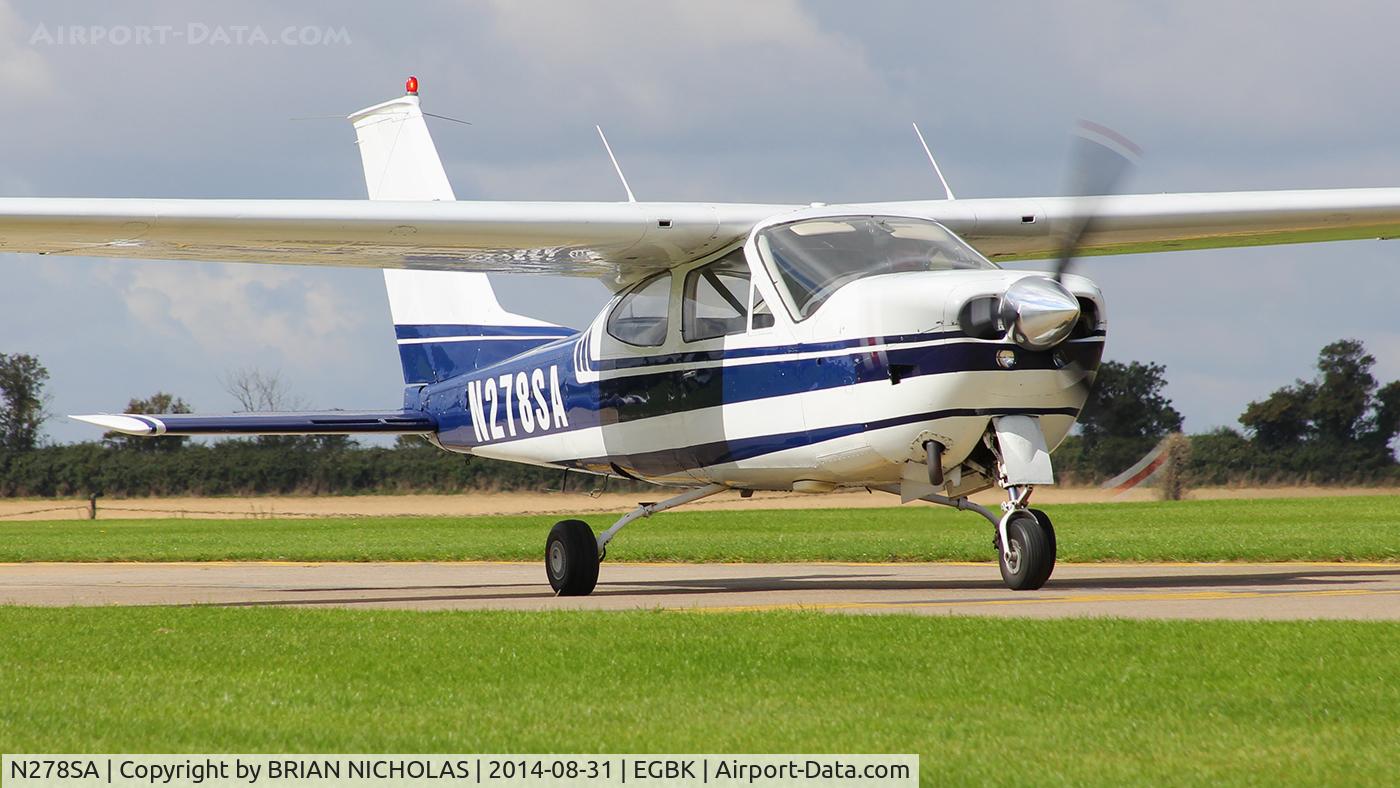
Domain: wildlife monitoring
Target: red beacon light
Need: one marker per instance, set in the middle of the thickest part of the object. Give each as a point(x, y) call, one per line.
point(411, 86)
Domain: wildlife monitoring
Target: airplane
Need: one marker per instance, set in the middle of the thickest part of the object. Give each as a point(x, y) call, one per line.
point(746, 347)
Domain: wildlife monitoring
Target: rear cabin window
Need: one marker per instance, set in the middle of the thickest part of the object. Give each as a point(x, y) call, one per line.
point(640, 317)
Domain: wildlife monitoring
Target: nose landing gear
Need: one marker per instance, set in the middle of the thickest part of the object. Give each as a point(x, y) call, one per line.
point(1012, 456)
point(1025, 544)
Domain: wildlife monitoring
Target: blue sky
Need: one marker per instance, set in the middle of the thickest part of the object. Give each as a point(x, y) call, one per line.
point(774, 101)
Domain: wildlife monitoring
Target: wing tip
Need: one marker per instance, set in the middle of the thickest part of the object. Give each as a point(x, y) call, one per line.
point(124, 423)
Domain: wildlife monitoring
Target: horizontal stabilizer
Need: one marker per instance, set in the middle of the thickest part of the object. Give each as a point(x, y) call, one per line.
point(330, 422)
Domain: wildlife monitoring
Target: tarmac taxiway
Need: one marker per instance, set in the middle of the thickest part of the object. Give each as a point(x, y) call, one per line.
point(1157, 590)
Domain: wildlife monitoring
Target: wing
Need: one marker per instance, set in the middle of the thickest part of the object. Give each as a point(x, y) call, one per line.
point(1030, 228)
point(332, 422)
point(620, 240)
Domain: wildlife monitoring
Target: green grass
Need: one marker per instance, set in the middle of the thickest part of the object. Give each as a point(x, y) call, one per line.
point(981, 700)
point(1317, 529)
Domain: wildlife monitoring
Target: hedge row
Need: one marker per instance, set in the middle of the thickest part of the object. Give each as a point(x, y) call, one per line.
point(1226, 457)
point(243, 468)
point(306, 467)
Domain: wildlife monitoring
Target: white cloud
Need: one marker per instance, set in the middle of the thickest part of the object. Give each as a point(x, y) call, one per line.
point(24, 73)
point(280, 315)
point(683, 65)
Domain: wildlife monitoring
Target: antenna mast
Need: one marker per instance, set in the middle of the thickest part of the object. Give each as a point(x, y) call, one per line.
point(617, 167)
point(936, 169)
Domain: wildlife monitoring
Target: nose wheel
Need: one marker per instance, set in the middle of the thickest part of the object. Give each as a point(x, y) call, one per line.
point(1028, 558)
point(571, 558)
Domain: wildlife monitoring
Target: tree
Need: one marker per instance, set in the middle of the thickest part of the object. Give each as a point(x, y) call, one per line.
point(1127, 402)
point(266, 392)
point(1283, 420)
point(159, 402)
point(1126, 414)
point(1343, 391)
point(22, 414)
point(1387, 423)
point(261, 392)
point(1339, 414)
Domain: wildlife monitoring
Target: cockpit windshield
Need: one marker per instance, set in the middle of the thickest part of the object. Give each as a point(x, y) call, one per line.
point(814, 258)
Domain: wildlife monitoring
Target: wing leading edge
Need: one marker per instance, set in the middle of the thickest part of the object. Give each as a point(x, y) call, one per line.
point(334, 422)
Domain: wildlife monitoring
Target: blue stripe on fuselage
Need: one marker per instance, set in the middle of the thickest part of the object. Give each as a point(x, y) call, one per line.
point(621, 398)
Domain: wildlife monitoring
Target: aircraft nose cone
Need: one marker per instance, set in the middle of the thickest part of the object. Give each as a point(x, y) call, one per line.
point(1040, 311)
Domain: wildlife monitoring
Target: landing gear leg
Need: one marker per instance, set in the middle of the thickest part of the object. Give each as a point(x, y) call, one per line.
point(572, 553)
point(1025, 539)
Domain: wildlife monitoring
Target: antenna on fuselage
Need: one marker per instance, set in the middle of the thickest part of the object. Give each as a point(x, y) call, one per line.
point(936, 169)
point(616, 166)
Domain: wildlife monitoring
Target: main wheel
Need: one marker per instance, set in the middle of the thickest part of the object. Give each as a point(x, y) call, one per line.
point(571, 558)
point(1030, 557)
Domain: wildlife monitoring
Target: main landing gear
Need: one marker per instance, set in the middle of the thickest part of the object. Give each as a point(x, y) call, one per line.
point(572, 554)
point(571, 558)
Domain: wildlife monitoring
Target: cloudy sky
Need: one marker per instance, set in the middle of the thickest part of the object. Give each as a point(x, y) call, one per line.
point(720, 100)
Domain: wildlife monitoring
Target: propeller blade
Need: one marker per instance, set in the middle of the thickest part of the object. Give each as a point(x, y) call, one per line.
point(1100, 160)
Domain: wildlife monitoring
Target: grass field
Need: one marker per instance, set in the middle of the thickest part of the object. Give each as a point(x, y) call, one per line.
point(981, 700)
point(1315, 529)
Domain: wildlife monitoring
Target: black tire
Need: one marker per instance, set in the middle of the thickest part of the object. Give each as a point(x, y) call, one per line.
point(571, 558)
point(1053, 547)
point(1032, 554)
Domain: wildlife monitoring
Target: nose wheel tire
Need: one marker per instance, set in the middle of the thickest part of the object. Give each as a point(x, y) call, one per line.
point(1049, 528)
point(571, 558)
point(1030, 556)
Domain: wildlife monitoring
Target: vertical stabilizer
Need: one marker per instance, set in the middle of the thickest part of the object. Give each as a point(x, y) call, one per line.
point(446, 322)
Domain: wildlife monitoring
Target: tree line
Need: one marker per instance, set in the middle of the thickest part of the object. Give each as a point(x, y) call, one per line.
point(1337, 427)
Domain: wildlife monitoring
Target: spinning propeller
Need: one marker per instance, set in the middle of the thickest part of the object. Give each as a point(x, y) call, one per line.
point(1039, 311)
point(1100, 160)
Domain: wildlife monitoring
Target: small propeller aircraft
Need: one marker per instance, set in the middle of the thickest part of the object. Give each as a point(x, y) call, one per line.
point(746, 346)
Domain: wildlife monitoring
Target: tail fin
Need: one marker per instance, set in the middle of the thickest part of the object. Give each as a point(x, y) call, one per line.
point(446, 322)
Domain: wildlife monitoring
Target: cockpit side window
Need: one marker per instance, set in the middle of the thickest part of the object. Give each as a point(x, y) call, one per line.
point(640, 317)
point(716, 299)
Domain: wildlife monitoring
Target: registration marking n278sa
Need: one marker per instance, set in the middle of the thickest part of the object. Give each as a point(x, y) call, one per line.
point(520, 396)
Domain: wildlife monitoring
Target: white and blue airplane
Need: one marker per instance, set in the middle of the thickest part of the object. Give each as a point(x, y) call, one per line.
point(746, 347)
